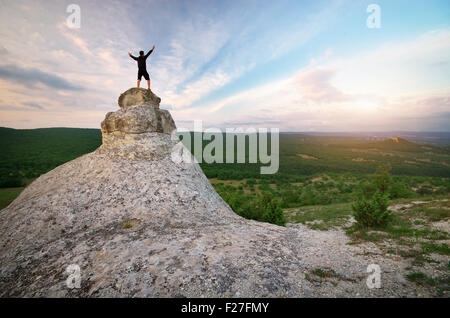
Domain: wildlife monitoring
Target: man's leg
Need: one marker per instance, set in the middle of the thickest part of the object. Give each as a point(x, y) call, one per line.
point(147, 77)
point(139, 77)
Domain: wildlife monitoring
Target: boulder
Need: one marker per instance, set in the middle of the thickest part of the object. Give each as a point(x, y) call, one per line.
point(137, 120)
point(138, 228)
point(137, 96)
point(132, 120)
point(138, 224)
point(137, 131)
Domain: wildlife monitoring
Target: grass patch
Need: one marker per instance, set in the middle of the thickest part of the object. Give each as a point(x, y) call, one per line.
point(421, 279)
point(402, 230)
point(128, 224)
point(7, 195)
point(419, 256)
point(432, 211)
point(414, 240)
point(319, 274)
point(359, 234)
point(430, 247)
point(323, 216)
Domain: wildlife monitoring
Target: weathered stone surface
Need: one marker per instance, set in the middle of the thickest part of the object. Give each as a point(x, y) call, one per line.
point(182, 239)
point(137, 132)
point(149, 146)
point(137, 96)
point(139, 224)
point(132, 120)
point(185, 240)
point(137, 120)
point(167, 123)
point(139, 113)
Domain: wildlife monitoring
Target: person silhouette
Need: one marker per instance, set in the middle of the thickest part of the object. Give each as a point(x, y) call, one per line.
point(142, 66)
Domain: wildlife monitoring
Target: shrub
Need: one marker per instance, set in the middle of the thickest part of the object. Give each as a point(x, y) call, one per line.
point(400, 190)
point(274, 214)
point(366, 190)
point(372, 212)
point(288, 197)
point(425, 190)
point(272, 211)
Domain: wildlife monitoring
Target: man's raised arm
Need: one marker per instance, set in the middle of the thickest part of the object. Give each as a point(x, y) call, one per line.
point(134, 58)
point(150, 52)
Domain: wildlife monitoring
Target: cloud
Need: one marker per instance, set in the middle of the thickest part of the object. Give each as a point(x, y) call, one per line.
point(3, 51)
point(227, 64)
point(32, 76)
point(195, 90)
point(19, 105)
point(435, 102)
point(209, 52)
point(166, 106)
point(33, 105)
point(252, 122)
point(314, 86)
point(179, 69)
point(396, 68)
point(76, 40)
point(374, 89)
point(416, 106)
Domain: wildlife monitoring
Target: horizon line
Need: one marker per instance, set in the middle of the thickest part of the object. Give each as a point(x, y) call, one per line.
point(281, 132)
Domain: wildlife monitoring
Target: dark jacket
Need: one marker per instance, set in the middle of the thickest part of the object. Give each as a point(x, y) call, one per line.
point(141, 60)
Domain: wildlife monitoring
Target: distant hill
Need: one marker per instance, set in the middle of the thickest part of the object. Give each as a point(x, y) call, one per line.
point(28, 153)
point(400, 144)
point(396, 143)
point(433, 138)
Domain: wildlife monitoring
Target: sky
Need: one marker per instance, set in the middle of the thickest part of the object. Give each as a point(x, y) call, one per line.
point(293, 65)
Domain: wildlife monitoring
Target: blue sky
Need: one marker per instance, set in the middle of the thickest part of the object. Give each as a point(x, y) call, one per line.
point(293, 65)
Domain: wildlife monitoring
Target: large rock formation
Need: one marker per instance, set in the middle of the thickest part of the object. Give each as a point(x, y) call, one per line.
point(137, 131)
point(138, 224)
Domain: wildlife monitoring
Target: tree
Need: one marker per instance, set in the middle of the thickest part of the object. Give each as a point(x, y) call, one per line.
point(372, 212)
point(382, 178)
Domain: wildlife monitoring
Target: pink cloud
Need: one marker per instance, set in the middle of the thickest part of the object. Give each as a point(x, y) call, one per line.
point(315, 87)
